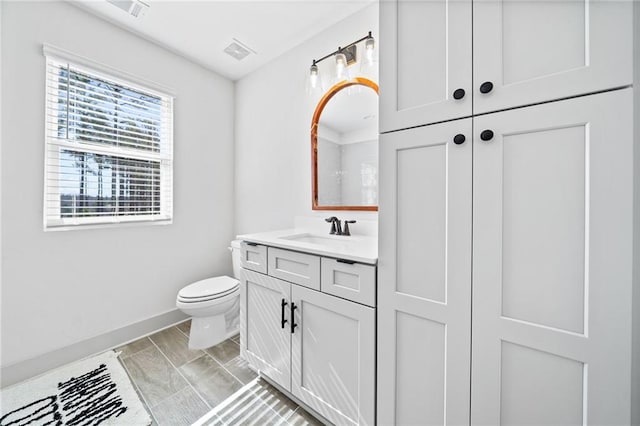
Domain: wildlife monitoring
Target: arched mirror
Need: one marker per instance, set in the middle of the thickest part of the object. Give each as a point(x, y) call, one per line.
point(344, 147)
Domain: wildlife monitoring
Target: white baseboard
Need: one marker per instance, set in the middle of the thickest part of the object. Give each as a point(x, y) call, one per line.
point(23, 370)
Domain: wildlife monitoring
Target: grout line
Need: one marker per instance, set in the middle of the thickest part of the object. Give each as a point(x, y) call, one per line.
point(283, 420)
point(134, 353)
point(224, 404)
point(139, 391)
point(225, 368)
point(180, 330)
point(181, 375)
point(268, 385)
point(248, 390)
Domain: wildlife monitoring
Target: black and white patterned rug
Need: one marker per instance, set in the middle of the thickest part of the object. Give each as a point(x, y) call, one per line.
point(94, 391)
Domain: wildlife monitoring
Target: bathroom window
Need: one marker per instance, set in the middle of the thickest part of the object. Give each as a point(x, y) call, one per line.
point(109, 149)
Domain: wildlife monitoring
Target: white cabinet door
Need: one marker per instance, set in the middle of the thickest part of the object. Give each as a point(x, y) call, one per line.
point(534, 51)
point(265, 337)
point(552, 263)
point(333, 357)
point(425, 56)
point(424, 275)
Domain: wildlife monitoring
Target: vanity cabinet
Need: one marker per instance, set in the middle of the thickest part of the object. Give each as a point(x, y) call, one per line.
point(524, 52)
point(549, 192)
point(319, 347)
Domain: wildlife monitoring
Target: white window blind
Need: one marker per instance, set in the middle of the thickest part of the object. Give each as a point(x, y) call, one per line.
point(109, 149)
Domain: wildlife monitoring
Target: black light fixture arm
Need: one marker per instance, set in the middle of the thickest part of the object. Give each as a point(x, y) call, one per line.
point(340, 49)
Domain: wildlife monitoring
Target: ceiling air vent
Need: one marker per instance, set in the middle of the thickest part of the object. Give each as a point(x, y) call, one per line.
point(134, 8)
point(238, 50)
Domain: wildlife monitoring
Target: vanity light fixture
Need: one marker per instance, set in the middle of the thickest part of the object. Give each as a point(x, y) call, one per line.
point(344, 56)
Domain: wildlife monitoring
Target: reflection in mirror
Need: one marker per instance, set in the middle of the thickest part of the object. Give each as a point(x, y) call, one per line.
point(346, 159)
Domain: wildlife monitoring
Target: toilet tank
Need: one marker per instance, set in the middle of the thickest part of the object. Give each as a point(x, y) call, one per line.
point(235, 257)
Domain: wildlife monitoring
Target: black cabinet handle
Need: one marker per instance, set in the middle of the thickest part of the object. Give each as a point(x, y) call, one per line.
point(486, 135)
point(282, 306)
point(486, 87)
point(348, 262)
point(293, 318)
point(458, 94)
point(459, 139)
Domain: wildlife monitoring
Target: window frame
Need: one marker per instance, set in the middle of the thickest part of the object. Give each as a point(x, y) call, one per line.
point(54, 145)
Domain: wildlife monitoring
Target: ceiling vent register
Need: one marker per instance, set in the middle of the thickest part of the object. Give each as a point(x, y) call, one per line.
point(238, 50)
point(135, 8)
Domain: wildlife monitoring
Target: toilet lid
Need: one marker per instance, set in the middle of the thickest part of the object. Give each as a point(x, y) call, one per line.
point(209, 287)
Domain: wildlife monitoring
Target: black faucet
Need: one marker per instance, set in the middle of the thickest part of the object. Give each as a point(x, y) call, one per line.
point(346, 227)
point(336, 227)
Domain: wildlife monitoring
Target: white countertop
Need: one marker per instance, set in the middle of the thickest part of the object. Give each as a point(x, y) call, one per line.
point(359, 248)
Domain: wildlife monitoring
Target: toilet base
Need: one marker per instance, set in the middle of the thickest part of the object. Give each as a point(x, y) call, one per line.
point(207, 331)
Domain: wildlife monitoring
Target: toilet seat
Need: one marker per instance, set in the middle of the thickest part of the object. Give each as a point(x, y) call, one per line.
point(208, 289)
point(207, 298)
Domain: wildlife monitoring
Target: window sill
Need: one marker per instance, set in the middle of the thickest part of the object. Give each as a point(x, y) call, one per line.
point(75, 225)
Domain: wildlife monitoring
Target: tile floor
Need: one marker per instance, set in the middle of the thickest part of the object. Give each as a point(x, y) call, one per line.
point(178, 386)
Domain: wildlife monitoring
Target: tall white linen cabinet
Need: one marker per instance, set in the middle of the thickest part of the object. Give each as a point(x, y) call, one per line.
point(509, 265)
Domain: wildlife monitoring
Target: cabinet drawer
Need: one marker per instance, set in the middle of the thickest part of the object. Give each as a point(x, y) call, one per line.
point(254, 257)
point(299, 268)
point(353, 281)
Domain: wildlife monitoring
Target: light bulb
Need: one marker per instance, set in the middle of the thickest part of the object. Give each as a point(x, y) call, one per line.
point(369, 46)
point(314, 81)
point(313, 76)
point(368, 65)
point(341, 67)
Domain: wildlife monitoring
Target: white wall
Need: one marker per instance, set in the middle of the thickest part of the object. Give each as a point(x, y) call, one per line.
point(272, 132)
point(59, 288)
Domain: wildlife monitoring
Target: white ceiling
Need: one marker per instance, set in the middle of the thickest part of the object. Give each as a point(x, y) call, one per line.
point(201, 30)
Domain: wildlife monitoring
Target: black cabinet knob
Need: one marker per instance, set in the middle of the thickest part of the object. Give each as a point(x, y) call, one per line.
point(459, 139)
point(458, 94)
point(486, 135)
point(486, 87)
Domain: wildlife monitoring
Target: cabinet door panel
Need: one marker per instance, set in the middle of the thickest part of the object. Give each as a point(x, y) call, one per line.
point(265, 344)
point(425, 56)
point(333, 357)
point(535, 51)
point(424, 276)
point(551, 275)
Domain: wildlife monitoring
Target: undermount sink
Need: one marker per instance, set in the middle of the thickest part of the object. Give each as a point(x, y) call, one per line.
point(315, 239)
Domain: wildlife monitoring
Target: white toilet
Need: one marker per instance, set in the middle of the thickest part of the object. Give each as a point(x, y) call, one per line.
point(213, 305)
